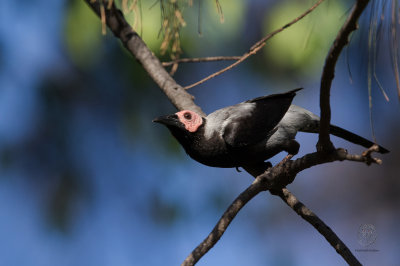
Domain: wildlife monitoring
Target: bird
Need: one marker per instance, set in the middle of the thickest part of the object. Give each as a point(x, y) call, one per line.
point(248, 133)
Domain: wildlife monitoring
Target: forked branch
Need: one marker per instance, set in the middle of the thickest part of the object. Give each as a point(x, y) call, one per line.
point(328, 73)
point(276, 178)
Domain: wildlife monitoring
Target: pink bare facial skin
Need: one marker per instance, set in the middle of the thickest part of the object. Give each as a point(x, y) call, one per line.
point(190, 119)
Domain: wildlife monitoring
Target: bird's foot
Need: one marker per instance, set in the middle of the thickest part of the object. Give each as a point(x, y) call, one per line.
point(287, 158)
point(292, 148)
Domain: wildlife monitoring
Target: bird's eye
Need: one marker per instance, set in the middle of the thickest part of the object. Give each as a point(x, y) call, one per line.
point(187, 116)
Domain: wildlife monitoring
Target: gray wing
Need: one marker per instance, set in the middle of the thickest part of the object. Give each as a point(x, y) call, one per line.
point(252, 121)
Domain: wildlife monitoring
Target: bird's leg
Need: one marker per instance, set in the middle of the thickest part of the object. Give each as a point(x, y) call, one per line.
point(292, 148)
point(287, 158)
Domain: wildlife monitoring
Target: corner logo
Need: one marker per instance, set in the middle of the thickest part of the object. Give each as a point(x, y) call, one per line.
point(366, 236)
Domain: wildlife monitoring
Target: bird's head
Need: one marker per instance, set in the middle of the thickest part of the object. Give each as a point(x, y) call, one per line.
point(186, 121)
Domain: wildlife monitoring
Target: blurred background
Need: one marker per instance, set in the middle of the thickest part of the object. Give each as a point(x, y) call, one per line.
point(87, 179)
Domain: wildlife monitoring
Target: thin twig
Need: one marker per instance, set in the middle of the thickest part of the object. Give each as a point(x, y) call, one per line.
point(318, 224)
point(201, 59)
point(328, 73)
point(257, 46)
point(174, 68)
point(367, 155)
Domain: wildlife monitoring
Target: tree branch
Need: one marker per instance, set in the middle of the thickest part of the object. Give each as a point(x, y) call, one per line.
point(135, 45)
point(224, 222)
point(275, 179)
point(318, 224)
point(256, 47)
point(201, 59)
point(328, 73)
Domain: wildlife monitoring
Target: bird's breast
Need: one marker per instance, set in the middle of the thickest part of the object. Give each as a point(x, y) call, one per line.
point(211, 152)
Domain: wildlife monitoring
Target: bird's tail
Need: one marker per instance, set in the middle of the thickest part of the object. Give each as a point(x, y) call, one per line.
point(356, 139)
point(313, 127)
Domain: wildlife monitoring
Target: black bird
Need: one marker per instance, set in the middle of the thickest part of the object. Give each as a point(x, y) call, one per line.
point(248, 133)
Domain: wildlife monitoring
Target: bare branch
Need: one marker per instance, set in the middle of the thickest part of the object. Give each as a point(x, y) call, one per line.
point(318, 224)
point(201, 59)
point(224, 222)
point(328, 73)
point(257, 46)
point(276, 179)
point(285, 172)
point(135, 45)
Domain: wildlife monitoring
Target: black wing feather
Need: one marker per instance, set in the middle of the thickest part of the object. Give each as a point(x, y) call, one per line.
point(248, 129)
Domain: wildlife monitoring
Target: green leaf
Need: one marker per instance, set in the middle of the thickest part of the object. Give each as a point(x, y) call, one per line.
point(303, 46)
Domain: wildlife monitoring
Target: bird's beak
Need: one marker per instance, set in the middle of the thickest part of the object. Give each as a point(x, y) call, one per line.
point(167, 120)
